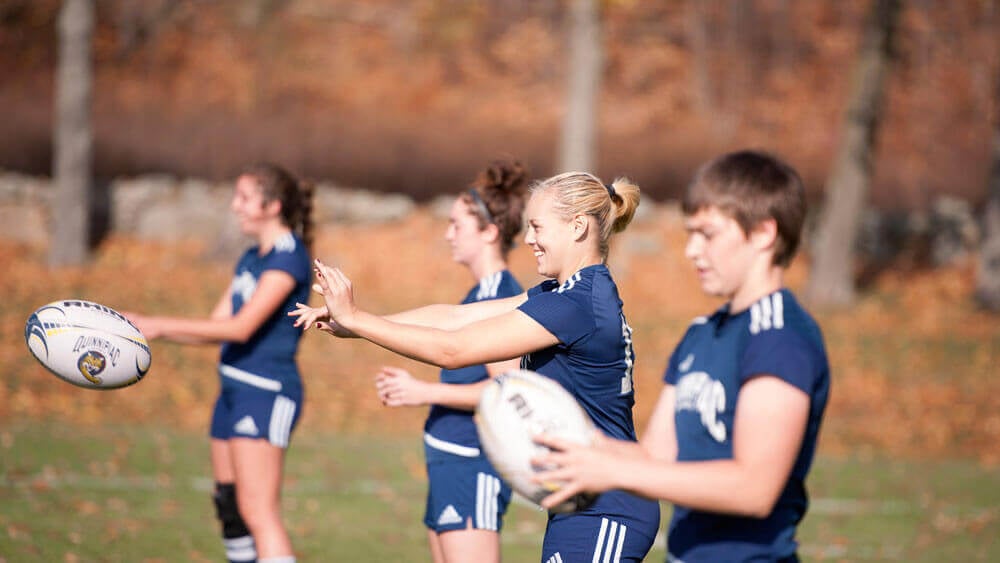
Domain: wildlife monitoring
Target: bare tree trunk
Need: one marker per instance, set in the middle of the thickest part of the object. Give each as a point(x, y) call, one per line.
point(988, 273)
point(578, 147)
point(831, 277)
point(701, 71)
point(72, 156)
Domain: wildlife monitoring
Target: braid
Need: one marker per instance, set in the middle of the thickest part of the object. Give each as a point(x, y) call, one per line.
point(296, 197)
point(305, 209)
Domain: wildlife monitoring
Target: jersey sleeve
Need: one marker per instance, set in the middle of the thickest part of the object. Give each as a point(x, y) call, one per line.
point(670, 374)
point(676, 357)
point(293, 263)
point(784, 354)
point(544, 287)
point(559, 314)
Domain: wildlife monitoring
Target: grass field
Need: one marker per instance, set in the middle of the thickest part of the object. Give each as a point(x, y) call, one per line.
point(141, 494)
point(908, 466)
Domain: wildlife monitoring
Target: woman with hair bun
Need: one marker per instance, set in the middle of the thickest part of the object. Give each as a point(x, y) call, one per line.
point(466, 499)
point(570, 328)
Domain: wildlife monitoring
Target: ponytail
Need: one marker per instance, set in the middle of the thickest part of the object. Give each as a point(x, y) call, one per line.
point(296, 197)
point(612, 205)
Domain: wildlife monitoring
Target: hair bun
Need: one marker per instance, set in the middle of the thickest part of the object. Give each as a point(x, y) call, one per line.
point(503, 175)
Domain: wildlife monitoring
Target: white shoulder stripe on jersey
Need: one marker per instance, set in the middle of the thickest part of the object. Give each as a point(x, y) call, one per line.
point(767, 313)
point(450, 447)
point(488, 286)
point(285, 243)
point(249, 378)
point(569, 283)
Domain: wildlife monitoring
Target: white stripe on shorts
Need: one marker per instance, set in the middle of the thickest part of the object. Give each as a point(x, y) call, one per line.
point(609, 542)
point(556, 558)
point(282, 415)
point(249, 378)
point(487, 491)
point(457, 449)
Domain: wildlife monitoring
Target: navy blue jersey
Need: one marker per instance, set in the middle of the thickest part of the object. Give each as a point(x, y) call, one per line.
point(777, 337)
point(594, 357)
point(267, 359)
point(453, 429)
point(593, 361)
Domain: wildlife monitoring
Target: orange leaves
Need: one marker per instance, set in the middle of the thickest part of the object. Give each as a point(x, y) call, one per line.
point(914, 363)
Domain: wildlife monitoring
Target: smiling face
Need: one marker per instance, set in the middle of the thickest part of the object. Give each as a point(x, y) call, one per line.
point(249, 207)
point(548, 235)
point(467, 240)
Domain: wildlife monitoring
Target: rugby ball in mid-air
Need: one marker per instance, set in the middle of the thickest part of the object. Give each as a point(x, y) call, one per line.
point(87, 344)
point(513, 409)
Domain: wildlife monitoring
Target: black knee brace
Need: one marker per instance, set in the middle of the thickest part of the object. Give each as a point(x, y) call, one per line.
point(228, 512)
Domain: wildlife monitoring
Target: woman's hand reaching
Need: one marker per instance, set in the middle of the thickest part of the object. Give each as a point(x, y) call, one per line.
point(397, 388)
point(338, 296)
point(309, 317)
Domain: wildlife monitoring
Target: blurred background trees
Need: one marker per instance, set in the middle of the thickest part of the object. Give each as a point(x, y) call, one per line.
point(988, 273)
point(831, 278)
point(72, 140)
point(412, 97)
point(578, 143)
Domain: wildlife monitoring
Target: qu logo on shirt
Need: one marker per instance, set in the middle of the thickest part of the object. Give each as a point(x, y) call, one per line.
point(698, 392)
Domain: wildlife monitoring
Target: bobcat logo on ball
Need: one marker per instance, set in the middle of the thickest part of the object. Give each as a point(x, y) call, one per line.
point(91, 364)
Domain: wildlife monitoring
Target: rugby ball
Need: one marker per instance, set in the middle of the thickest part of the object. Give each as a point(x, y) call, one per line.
point(87, 344)
point(515, 407)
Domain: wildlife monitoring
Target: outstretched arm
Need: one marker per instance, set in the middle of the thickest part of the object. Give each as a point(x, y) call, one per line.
point(442, 316)
point(503, 337)
point(771, 417)
point(222, 326)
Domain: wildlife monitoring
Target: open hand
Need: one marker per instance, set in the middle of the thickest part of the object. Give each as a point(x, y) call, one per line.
point(397, 388)
point(337, 292)
point(581, 469)
point(308, 317)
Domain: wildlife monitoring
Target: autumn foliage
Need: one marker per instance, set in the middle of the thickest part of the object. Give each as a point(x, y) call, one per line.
point(914, 364)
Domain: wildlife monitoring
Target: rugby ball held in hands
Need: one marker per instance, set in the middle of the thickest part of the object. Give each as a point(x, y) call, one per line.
point(87, 344)
point(514, 408)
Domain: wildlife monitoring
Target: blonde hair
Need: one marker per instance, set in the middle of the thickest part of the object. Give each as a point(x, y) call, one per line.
point(612, 205)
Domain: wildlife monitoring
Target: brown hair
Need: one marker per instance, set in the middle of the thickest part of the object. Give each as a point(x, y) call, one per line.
point(613, 205)
point(497, 196)
point(296, 197)
point(752, 187)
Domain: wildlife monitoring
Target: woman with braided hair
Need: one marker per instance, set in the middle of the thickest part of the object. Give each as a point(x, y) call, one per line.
point(261, 390)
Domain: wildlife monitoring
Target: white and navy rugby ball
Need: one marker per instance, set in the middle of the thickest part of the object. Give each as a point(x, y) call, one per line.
point(515, 407)
point(87, 344)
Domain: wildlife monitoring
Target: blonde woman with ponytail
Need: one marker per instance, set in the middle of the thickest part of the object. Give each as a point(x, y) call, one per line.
point(570, 328)
point(261, 390)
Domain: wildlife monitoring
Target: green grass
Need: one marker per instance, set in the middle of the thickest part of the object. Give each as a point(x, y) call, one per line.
point(141, 494)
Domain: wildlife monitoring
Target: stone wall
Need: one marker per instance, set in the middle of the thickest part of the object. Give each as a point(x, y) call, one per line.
point(161, 207)
point(165, 208)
